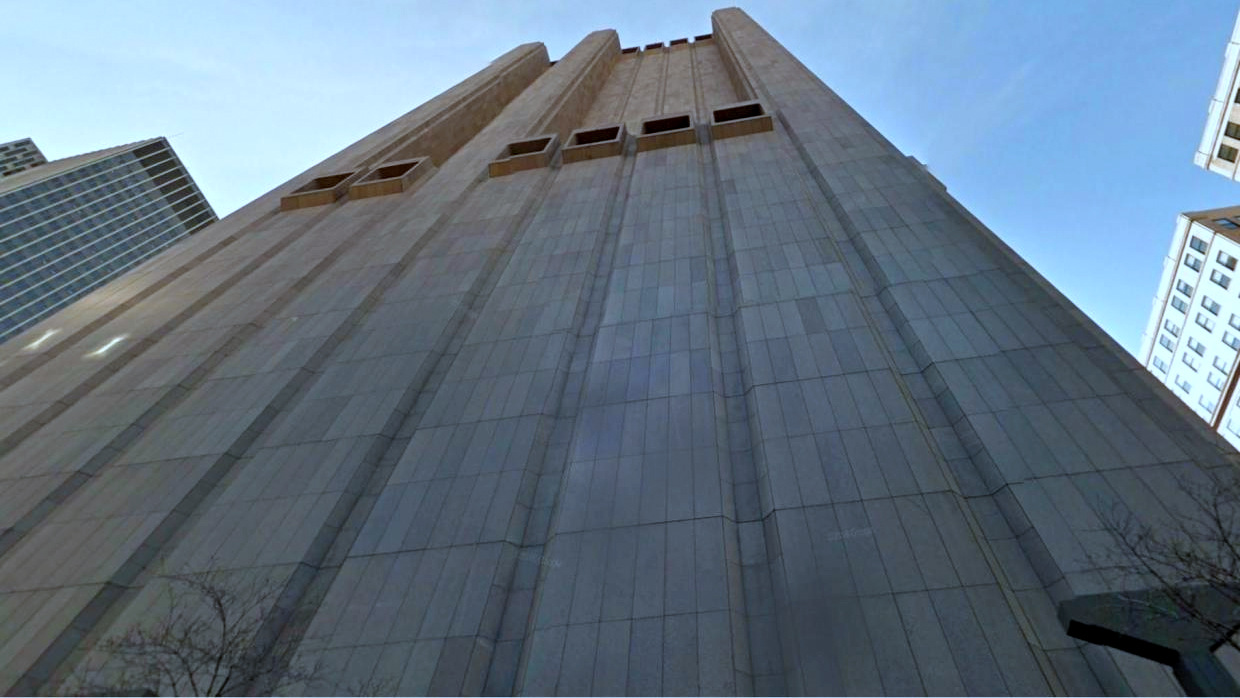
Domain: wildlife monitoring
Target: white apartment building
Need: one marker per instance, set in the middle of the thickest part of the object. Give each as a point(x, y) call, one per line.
point(1220, 142)
point(1191, 340)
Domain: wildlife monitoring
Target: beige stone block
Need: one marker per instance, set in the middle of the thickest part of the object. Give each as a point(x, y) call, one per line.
point(740, 119)
point(595, 142)
point(666, 131)
point(526, 154)
point(391, 178)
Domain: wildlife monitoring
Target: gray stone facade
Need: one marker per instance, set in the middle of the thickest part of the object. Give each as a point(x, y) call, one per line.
point(768, 414)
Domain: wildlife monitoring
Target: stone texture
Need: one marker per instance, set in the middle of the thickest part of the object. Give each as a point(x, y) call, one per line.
point(766, 414)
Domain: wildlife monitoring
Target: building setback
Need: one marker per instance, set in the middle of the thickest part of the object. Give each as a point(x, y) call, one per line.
point(69, 226)
point(650, 371)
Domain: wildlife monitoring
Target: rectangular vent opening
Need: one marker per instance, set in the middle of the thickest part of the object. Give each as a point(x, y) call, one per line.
point(392, 177)
point(678, 42)
point(324, 182)
point(527, 147)
point(665, 124)
point(392, 171)
point(703, 37)
point(651, 47)
point(631, 49)
point(524, 155)
point(593, 143)
point(596, 136)
point(740, 119)
point(319, 191)
point(740, 111)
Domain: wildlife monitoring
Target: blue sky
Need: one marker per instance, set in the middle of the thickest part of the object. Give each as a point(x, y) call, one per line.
point(1068, 127)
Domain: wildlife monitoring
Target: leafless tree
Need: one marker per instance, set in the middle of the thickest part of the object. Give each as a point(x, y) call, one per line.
point(206, 639)
point(1188, 564)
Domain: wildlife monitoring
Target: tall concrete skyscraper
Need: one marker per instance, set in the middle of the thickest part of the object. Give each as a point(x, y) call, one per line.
point(655, 370)
point(71, 225)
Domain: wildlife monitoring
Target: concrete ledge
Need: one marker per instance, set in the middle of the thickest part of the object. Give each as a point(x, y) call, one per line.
point(740, 119)
point(596, 142)
point(390, 178)
point(319, 191)
point(527, 154)
point(666, 131)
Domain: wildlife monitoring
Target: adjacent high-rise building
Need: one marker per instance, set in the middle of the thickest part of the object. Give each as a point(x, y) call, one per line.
point(18, 155)
point(1219, 150)
point(1193, 333)
point(654, 370)
point(71, 225)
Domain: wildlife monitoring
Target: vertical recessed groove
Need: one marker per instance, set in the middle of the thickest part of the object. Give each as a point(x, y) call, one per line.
point(307, 592)
point(665, 54)
point(585, 335)
point(868, 276)
point(175, 394)
point(874, 277)
point(721, 271)
point(628, 93)
point(34, 424)
point(135, 565)
point(303, 593)
point(60, 347)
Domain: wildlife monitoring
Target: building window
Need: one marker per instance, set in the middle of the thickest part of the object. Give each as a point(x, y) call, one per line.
point(1197, 244)
point(1197, 347)
point(1166, 342)
point(1210, 305)
point(1231, 340)
point(1160, 364)
point(1173, 328)
point(1232, 130)
point(1220, 278)
point(1216, 379)
point(1226, 152)
point(1192, 262)
point(1227, 260)
point(1227, 223)
point(1222, 364)
point(1208, 404)
point(1190, 361)
point(1183, 287)
point(1205, 321)
point(1179, 304)
point(1183, 385)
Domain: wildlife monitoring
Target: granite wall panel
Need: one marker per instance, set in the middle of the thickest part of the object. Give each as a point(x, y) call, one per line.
point(765, 415)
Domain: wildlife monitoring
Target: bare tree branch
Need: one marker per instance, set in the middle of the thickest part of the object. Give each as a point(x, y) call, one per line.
point(205, 640)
